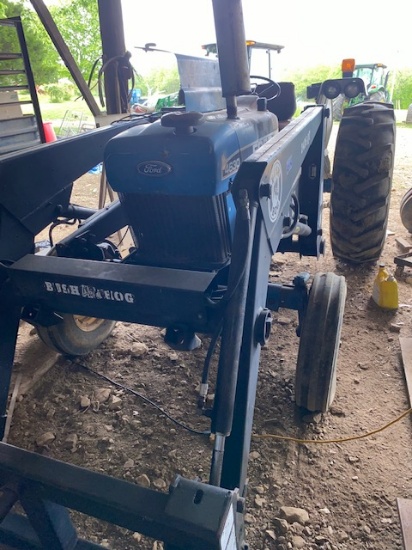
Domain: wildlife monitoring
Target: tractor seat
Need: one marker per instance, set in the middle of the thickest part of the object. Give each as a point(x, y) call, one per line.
point(284, 105)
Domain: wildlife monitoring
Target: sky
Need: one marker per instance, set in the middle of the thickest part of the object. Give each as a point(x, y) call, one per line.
point(312, 33)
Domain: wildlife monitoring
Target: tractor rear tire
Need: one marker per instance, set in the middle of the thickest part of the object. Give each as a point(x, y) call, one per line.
point(378, 97)
point(406, 210)
point(315, 381)
point(76, 334)
point(362, 181)
point(338, 107)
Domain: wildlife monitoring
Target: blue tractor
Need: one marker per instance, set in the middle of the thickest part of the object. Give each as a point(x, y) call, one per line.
point(211, 189)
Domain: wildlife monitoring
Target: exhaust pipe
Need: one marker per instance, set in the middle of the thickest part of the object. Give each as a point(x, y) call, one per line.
point(232, 53)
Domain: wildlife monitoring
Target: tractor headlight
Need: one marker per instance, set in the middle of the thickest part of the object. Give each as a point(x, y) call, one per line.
point(331, 89)
point(352, 89)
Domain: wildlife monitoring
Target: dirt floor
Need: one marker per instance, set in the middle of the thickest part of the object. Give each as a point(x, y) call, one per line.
point(346, 491)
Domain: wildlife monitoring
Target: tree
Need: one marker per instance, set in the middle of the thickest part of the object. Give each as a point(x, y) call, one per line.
point(44, 59)
point(402, 92)
point(78, 22)
point(311, 75)
point(163, 81)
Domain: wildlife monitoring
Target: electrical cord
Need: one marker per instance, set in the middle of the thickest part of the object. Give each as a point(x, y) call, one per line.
point(133, 116)
point(124, 65)
point(89, 82)
point(338, 440)
point(60, 222)
point(210, 351)
point(146, 399)
point(255, 436)
point(123, 237)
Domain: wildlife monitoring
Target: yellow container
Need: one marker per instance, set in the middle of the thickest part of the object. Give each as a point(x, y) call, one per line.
point(385, 289)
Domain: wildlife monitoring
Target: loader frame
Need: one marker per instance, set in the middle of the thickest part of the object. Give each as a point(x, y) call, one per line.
point(193, 514)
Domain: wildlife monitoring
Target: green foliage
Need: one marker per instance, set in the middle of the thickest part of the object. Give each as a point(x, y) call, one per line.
point(77, 21)
point(57, 111)
point(162, 81)
point(9, 41)
point(9, 8)
point(62, 91)
point(311, 75)
point(141, 83)
point(44, 58)
point(402, 92)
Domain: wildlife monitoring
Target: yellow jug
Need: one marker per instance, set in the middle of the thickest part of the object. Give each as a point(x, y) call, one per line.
point(385, 289)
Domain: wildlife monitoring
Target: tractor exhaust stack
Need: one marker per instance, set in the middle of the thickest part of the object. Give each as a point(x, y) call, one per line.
point(231, 46)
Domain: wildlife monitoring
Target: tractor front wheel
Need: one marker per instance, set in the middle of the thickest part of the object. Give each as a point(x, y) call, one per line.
point(76, 334)
point(315, 381)
point(362, 181)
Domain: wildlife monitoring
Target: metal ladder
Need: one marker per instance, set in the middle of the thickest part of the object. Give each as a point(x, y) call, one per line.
point(17, 130)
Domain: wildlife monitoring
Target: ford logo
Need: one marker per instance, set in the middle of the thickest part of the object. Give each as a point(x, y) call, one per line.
point(154, 168)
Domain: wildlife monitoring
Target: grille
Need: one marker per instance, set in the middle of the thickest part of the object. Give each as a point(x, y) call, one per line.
point(179, 231)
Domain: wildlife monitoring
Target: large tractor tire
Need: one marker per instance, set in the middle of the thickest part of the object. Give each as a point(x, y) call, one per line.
point(406, 210)
point(362, 181)
point(338, 107)
point(379, 96)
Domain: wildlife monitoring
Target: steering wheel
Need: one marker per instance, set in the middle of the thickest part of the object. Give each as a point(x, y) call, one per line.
point(272, 85)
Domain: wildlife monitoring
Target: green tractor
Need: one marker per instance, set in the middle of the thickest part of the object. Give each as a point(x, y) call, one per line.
point(375, 76)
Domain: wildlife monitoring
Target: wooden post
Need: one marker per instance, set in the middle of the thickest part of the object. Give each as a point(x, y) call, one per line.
point(113, 43)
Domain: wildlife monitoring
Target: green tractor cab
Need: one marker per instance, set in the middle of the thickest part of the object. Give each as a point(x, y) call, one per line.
point(375, 77)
